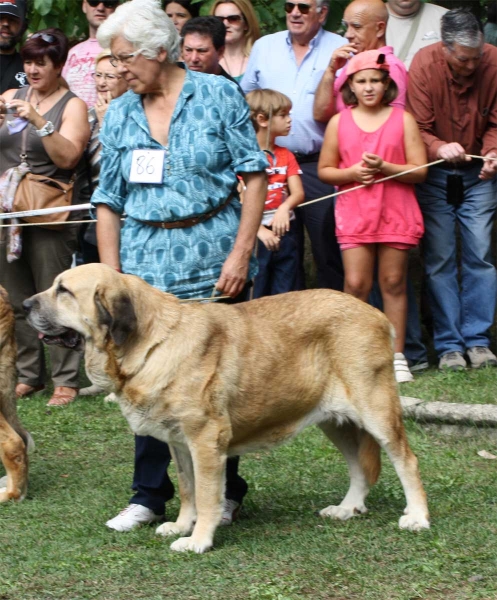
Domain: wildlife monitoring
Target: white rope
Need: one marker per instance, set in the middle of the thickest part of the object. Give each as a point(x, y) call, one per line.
point(44, 211)
point(88, 206)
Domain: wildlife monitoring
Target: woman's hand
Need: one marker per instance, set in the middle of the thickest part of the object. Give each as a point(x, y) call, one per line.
point(281, 222)
point(27, 111)
point(362, 173)
point(233, 274)
point(269, 238)
point(102, 105)
point(3, 109)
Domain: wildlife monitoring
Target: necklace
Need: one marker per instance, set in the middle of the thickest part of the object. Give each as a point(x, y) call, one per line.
point(38, 101)
point(241, 65)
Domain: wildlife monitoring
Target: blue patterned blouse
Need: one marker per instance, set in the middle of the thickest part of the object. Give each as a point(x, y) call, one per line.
point(211, 138)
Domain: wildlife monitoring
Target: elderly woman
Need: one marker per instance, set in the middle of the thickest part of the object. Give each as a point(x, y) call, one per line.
point(171, 150)
point(55, 132)
point(242, 30)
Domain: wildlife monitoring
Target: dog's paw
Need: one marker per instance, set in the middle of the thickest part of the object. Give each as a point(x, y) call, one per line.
point(415, 521)
point(174, 528)
point(169, 528)
point(188, 544)
point(342, 513)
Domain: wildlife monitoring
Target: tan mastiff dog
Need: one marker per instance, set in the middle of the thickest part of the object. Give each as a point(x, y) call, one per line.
point(14, 440)
point(215, 380)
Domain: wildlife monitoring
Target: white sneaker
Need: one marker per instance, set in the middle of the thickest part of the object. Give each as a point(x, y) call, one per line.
point(231, 510)
point(480, 356)
point(401, 368)
point(133, 516)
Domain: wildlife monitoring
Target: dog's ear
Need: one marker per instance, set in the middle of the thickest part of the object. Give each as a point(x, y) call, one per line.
point(119, 316)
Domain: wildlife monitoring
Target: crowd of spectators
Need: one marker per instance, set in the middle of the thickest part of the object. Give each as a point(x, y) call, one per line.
point(409, 83)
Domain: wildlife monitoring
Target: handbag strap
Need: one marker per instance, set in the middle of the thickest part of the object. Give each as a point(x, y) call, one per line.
point(24, 140)
point(411, 35)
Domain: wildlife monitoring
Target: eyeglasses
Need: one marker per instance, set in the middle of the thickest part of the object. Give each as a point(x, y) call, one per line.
point(124, 60)
point(49, 39)
point(303, 8)
point(231, 18)
point(105, 76)
point(106, 3)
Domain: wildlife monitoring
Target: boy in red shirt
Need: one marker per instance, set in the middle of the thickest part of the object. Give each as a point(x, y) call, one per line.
point(277, 246)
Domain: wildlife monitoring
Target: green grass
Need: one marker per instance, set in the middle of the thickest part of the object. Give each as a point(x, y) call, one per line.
point(473, 386)
point(55, 544)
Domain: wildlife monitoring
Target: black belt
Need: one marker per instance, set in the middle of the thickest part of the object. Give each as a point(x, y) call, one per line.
point(306, 158)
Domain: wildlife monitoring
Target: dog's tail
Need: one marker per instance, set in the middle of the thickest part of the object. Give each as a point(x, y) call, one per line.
point(369, 457)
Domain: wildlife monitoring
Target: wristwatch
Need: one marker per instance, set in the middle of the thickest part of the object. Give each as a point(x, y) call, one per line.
point(47, 129)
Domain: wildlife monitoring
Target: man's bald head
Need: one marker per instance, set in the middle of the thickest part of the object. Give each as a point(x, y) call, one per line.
point(366, 22)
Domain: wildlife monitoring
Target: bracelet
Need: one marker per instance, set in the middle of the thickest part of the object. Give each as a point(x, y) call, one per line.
point(47, 129)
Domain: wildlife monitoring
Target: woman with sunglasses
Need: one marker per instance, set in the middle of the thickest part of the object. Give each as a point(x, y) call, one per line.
point(172, 147)
point(181, 11)
point(50, 121)
point(242, 30)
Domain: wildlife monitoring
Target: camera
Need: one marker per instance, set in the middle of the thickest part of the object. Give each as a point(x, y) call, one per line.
point(10, 110)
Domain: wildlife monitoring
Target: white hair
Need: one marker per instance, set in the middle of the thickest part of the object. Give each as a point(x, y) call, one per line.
point(144, 24)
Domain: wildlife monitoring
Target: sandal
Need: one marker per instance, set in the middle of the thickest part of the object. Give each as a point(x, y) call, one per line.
point(24, 390)
point(62, 396)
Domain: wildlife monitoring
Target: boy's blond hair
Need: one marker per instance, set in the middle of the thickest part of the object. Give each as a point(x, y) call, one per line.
point(266, 103)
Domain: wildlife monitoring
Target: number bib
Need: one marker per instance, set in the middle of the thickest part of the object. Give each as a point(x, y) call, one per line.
point(147, 166)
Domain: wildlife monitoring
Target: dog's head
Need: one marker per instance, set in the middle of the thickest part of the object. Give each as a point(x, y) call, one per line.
point(91, 301)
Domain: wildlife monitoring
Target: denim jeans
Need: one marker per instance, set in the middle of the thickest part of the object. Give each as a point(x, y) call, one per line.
point(277, 270)
point(463, 309)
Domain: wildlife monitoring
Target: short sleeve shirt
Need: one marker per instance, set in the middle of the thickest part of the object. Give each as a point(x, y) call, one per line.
point(211, 139)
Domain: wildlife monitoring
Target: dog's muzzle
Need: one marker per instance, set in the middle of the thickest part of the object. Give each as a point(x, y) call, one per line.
point(47, 332)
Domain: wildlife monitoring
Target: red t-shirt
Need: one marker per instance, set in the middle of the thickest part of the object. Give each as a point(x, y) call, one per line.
point(282, 167)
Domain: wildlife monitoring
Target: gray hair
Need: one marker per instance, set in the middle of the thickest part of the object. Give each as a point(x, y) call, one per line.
point(321, 3)
point(460, 26)
point(144, 24)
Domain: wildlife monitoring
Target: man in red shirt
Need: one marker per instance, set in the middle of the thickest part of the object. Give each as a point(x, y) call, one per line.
point(452, 93)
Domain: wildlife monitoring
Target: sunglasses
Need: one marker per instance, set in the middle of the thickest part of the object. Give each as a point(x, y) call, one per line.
point(303, 8)
point(231, 18)
point(106, 3)
point(49, 39)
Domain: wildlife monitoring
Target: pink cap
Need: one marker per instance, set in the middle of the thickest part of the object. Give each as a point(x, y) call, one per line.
point(369, 59)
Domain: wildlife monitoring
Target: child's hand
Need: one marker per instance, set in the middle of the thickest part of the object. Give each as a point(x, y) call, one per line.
point(362, 173)
point(372, 160)
point(269, 239)
point(281, 220)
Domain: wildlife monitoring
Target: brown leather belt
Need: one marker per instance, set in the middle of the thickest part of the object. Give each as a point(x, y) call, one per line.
point(188, 222)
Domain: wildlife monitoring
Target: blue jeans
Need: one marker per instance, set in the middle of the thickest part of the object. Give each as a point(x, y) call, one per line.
point(277, 270)
point(463, 312)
